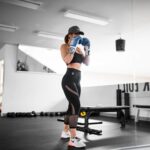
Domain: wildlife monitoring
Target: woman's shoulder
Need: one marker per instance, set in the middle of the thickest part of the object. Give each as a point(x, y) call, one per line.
point(64, 46)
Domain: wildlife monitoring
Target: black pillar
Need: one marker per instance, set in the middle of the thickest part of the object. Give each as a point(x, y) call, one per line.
point(119, 101)
point(127, 103)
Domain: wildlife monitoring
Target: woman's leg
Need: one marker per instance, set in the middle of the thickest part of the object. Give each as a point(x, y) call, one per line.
point(73, 132)
point(66, 118)
point(66, 127)
point(66, 132)
point(73, 119)
point(72, 94)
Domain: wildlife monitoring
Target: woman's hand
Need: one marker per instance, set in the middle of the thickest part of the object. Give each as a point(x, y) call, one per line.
point(80, 49)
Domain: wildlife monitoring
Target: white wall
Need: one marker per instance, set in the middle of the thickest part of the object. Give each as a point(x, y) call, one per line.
point(1, 53)
point(27, 91)
point(1, 71)
point(1, 79)
point(99, 95)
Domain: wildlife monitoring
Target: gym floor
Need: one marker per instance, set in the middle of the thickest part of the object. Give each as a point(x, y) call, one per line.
point(43, 133)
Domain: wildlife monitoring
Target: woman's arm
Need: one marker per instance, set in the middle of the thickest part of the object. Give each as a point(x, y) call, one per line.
point(86, 60)
point(66, 56)
point(86, 44)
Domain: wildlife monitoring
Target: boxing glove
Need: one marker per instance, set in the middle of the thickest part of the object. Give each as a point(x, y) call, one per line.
point(86, 44)
point(73, 44)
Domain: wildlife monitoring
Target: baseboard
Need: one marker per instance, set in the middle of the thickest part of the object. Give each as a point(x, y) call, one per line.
point(105, 115)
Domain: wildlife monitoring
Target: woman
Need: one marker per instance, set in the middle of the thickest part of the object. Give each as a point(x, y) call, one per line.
point(73, 54)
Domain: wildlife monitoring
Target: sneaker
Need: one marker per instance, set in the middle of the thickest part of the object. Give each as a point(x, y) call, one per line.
point(76, 142)
point(65, 135)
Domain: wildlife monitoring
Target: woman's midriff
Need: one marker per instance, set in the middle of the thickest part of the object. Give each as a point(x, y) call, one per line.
point(75, 66)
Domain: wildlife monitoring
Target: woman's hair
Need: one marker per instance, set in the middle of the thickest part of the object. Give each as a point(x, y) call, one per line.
point(66, 39)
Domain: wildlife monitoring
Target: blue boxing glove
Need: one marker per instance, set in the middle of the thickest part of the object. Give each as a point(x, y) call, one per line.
point(73, 44)
point(86, 44)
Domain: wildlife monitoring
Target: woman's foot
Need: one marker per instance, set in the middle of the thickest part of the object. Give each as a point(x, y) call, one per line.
point(76, 142)
point(65, 135)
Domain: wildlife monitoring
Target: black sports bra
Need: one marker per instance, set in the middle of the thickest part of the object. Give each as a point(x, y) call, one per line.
point(77, 58)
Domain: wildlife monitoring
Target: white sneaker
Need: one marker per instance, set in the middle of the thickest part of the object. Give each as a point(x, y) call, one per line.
point(65, 135)
point(76, 142)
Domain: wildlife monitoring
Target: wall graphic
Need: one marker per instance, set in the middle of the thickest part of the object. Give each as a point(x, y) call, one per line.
point(136, 89)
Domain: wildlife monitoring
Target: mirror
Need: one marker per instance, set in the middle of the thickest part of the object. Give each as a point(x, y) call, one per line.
point(27, 63)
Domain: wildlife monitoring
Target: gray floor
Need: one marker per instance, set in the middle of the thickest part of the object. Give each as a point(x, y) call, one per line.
point(43, 133)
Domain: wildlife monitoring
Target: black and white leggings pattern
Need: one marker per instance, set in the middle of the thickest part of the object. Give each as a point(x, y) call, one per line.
point(72, 89)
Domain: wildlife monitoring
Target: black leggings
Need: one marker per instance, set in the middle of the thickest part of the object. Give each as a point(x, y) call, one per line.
point(72, 89)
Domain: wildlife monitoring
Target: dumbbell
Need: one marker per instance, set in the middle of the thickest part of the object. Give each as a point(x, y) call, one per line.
point(46, 114)
point(51, 114)
point(11, 114)
point(33, 114)
point(42, 113)
point(82, 114)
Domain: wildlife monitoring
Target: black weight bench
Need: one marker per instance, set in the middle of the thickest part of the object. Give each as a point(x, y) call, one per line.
point(90, 110)
point(138, 107)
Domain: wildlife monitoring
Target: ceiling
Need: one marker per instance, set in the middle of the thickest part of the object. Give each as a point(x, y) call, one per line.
point(49, 17)
point(130, 18)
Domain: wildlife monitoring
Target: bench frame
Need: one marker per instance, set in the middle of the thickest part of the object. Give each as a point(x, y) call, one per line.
point(90, 110)
point(138, 108)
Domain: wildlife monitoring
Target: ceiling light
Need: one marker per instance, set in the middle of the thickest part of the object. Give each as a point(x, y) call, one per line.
point(86, 17)
point(50, 35)
point(32, 4)
point(8, 28)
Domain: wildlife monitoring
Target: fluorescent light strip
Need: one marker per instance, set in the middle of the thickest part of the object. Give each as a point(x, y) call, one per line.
point(86, 17)
point(50, 35)
point(8, 28)
point(31, 4)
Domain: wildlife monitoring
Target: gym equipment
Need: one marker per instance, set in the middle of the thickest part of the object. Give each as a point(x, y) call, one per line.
point(61, 114)
point(18, 114)
point(74, 42)
point(51, 114)
point(28, 114)
point(22, 114)
point(11, 114)
point(90, 110)
point(82, 113)
point(56, 113)
point(46, 114)
point(120, 45)
point(119, 100)
point(138, 108)
point(41, 113)
point(34, 114)
point(127, 103)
